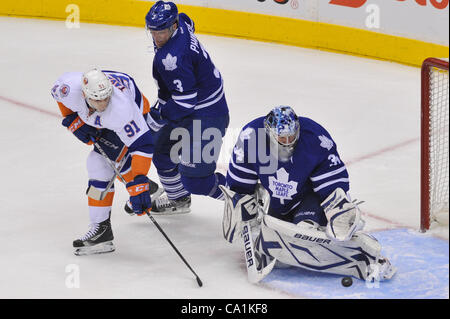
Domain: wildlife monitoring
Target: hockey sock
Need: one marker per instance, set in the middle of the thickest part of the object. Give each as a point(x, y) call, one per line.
point(171, 181)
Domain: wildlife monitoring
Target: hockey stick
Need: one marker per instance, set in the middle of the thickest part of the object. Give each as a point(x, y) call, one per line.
point(97, 194)
point(254, 275)
point(110, 162)
point(199, 282)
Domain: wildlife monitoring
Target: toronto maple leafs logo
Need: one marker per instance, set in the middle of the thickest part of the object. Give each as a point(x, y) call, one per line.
point(246, 134)
point(170, 62)
point(281, 187)
point(239, 154)
point(325, 142)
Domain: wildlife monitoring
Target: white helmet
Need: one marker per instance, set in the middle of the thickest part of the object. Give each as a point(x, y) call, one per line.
point(96, 85)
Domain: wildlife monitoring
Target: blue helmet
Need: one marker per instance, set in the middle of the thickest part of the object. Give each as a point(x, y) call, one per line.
point(282, 126)
point(162, 15)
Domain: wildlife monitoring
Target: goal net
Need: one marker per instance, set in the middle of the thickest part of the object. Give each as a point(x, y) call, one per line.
point(434, 143)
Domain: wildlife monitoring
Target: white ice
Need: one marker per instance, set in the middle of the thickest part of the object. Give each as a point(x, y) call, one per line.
point(370, 107)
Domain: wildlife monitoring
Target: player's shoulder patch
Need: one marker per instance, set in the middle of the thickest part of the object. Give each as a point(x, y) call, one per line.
point(169, 57)
point(169, 61)
point(64, 90)
point(247, 134)
point(60, 91)
point(66, 83)
point(325, 142)
point(54, 91)
point(315, 134)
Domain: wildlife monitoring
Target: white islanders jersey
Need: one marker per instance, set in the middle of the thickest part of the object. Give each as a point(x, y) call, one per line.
point(124, 114)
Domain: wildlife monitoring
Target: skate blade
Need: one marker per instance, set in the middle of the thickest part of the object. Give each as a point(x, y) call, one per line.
point(171, 212)
point(102, 248)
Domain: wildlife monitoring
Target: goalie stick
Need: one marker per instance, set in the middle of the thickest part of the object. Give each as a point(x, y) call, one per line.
point(117, 172)
point(254, 275)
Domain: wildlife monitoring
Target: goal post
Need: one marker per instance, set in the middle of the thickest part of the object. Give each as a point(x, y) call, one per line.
point(434, 142)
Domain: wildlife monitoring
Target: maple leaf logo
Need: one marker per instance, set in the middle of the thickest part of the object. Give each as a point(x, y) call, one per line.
point(170, 62)
point(281, 187)
point(239, 154)
point(325, 142)
point(246, 134)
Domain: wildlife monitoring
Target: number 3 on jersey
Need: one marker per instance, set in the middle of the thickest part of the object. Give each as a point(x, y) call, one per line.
point(131, 129)
point(179, 85)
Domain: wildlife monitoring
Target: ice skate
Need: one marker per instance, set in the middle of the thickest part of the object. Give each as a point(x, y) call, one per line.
point(97, 240)
point(381, 270)
point(165, 206)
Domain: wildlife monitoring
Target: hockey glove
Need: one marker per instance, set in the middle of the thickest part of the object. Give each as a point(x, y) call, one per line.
point(344, 216)
point(111, 144)
point(80, 129)
point(154, 119)
point(139, 190)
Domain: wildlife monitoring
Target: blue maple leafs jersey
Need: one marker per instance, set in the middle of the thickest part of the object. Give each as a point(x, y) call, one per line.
point(315, 166)
point(188, 82)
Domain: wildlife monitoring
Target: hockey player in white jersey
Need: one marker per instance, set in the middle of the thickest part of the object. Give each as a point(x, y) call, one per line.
point(107, 108)
point(297, 200)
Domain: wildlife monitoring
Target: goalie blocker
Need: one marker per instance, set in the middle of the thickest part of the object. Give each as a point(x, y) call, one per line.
point(307, 244)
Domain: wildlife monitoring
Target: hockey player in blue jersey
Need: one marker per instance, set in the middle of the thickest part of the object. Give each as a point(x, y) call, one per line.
point(286, 177)
point(191, 100)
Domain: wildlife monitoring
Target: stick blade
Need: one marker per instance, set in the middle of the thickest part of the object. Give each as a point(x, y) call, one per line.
point(95, 193)
point(255, 276)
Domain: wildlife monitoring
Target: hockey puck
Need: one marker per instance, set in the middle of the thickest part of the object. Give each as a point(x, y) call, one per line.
point(347, 281)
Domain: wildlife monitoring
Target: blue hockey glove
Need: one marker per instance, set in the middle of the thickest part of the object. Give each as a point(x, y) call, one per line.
point(154, 119)
point(80, 129)
point(139, 190)
point(111, 144)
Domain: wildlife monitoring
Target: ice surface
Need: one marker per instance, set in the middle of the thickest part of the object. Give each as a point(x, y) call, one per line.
point(422, 272)
point(370, 107)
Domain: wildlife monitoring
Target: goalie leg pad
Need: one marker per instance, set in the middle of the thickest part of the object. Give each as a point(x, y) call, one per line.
point(307, 246)
point(237, 208)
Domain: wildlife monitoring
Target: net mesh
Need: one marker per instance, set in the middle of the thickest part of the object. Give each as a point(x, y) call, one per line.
point(439, 141)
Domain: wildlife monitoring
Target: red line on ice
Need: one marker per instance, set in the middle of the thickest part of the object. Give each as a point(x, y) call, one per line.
point(382, 151)
point(28, 106)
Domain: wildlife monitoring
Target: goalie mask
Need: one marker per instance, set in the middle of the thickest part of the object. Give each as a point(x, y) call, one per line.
point(97, 89)
point(283, 128)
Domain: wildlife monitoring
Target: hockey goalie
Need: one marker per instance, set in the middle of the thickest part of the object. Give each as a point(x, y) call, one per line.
point(294, 202)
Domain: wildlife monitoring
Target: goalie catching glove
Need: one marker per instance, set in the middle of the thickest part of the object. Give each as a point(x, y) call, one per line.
point(139, 190)
point(238, 208)
point(343, 215)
